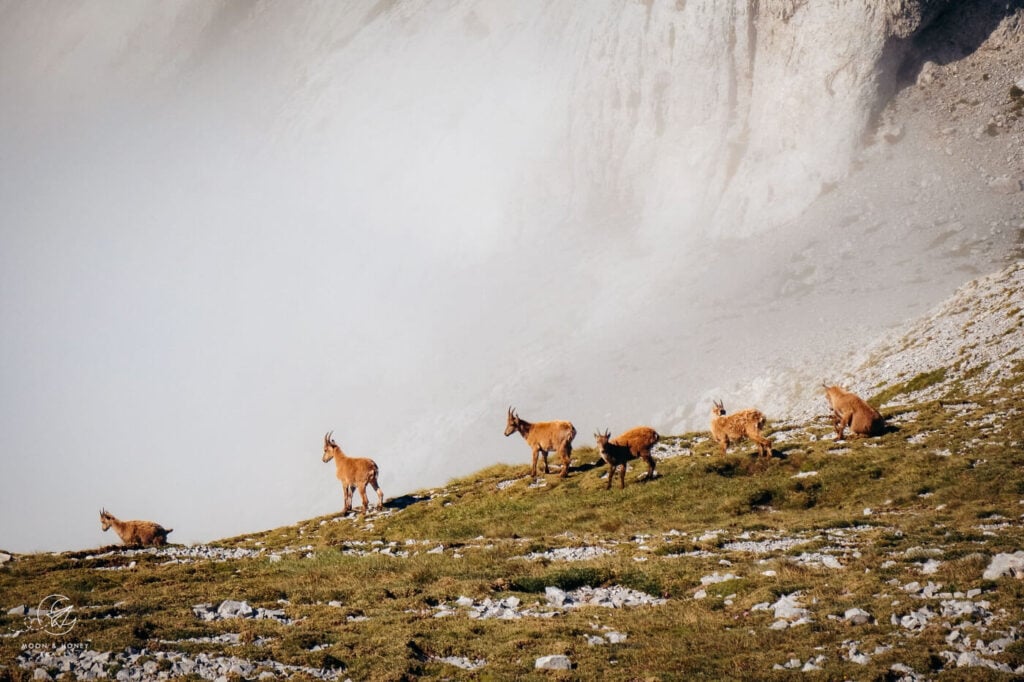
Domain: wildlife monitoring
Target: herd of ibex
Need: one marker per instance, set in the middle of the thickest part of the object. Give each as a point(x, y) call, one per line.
point(847, 411)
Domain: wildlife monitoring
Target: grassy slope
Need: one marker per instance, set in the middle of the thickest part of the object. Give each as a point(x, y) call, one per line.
point(919, 498)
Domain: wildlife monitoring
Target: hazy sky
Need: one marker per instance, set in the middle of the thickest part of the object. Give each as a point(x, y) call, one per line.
point(229, 227)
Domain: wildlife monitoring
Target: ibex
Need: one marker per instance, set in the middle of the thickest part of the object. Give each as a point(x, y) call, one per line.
point(734, 428)
point(635, 443)
point(353, 472)
point(135, 533)
point(543, 437)
point(849, 411)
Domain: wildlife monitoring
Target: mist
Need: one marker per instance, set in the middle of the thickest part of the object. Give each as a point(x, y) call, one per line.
point(227, 228)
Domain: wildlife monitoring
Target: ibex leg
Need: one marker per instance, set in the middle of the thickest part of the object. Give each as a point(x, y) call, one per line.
point(348, 499)
point(566, 455)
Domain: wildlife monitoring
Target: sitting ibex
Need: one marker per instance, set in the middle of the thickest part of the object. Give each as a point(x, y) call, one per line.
point(849, 411)
point(135, 533)
point(353, 472)
point(734, 428)
point(635, 443)
point(543, 437)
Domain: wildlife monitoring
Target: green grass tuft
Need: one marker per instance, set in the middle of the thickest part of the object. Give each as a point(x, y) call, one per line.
point(918, 383)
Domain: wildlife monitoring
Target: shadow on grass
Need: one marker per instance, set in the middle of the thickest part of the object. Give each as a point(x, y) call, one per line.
point(405, 501)
point(588, 466)
point(83, 553)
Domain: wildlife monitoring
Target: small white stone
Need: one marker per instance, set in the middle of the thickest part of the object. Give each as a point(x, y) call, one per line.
point(555, 662)
point(857, 616)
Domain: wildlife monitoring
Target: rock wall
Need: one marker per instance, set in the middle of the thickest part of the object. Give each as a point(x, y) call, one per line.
point(735, 114)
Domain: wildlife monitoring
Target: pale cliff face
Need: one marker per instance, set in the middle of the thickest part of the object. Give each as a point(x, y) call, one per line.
point(759, 110)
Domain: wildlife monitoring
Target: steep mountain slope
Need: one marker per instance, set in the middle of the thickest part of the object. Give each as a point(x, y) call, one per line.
point(888, 557)
point(934, 199)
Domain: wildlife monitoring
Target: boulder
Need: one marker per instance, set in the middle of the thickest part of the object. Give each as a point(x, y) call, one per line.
point(857, 617)
point(927, 75)
point(555, 595)
point(1005, 564)
point(788, 608)
point(235, 609)
point(555, 662)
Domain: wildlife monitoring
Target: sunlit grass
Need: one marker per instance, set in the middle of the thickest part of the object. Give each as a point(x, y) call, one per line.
point(933, 486)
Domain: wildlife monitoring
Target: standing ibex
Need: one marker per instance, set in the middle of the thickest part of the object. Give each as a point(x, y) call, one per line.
point(849, 411)
point(135, 533)
point(353, 472)
point(637, 442)
point(734, 428)
point(543, 437)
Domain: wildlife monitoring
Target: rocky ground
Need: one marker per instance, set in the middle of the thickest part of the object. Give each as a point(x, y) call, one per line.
point(974, 632)
point(977, 334)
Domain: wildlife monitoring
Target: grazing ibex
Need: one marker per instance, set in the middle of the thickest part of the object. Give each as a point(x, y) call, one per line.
point(543, 437)
point(353, 472)
point(734, 428)
point(849, 411)
point(635, 443)
point(135, 533)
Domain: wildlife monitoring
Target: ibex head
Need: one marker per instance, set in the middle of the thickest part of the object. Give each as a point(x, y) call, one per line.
point(329, 446)
point(105, 519)
point(717, 409)
point(512, 425)
point(602, 438)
